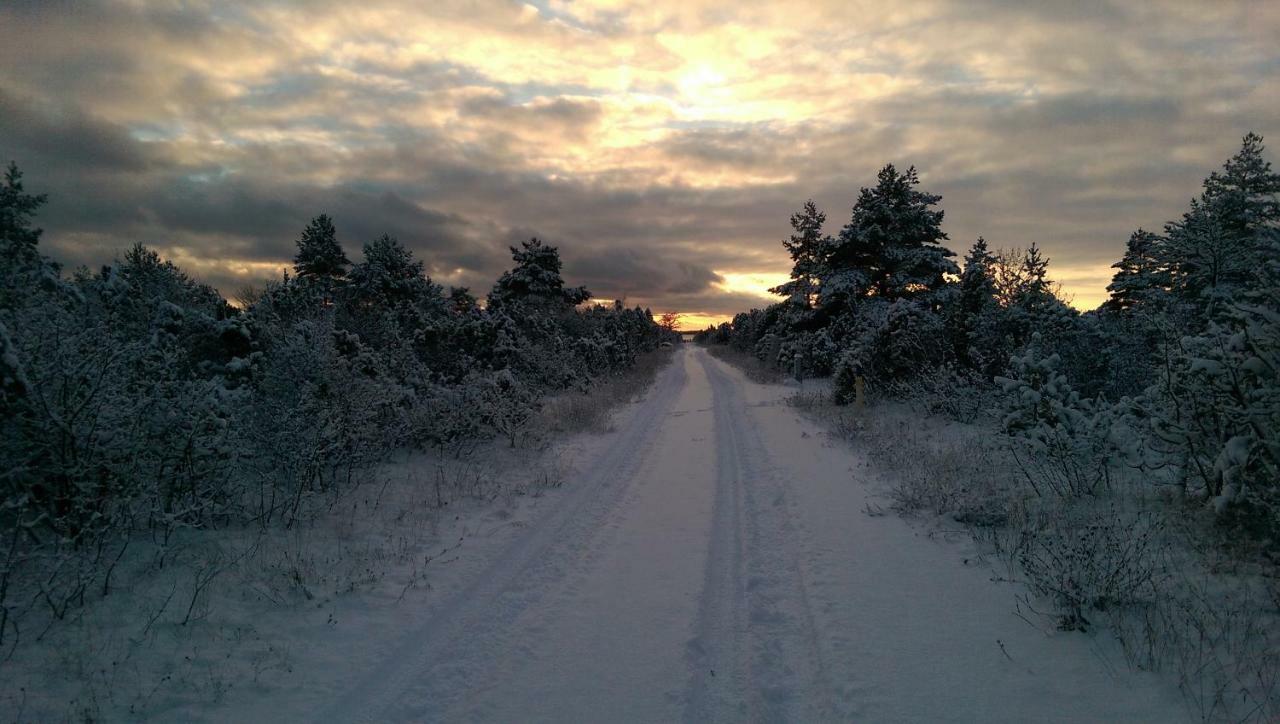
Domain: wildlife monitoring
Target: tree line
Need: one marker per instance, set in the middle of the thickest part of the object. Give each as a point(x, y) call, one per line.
point(1175, 375)
point(136, 401)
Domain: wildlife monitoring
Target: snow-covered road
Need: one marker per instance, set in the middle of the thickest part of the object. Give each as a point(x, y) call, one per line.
point(712, 560)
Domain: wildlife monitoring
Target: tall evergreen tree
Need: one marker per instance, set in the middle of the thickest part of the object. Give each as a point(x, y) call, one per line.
point(805, 247)
point(1138, 274)
point(891, 248)
point(1246, 188)
point(975, 301)
point(320, 256)
point(20, 258)
point(1035, 274)
point(977, 289)
point(1218, 247)
point(535, 279)
point(1206, 252)
point(390, 276)
point(16, 209)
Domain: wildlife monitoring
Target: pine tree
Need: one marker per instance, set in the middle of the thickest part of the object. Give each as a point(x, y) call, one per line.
point(975, 303)
point(16, 209)
point(1206, 252)
point(1247, 188)
point(535, 279)
point(1218, 247)
point(805, 247)
point(891, 248)
point(977, 289)
point(1035, 274)
point(319, 254)
point(461, 300)
point(20, 259)
point(1138, 276)
point(390, 276)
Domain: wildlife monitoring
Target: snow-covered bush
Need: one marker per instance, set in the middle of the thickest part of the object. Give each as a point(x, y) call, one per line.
point(322, 408)
point(1062, 442)
point(911, 340)
point(1216, 412)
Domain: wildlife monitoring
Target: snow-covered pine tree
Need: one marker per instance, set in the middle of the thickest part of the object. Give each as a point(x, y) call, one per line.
point(1139, 277)
point(1135, 319)
point(1215, 411)
point(535, 279)
point(1248, 186)
point(1217, 249)
point(390, 276)
point(17, 207)
point(805, 246)
point(320, 256)
point(21, 263)
point(891, 248)
point(1207, 255)
point(971, 322)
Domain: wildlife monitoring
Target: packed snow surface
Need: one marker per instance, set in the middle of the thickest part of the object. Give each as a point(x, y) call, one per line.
point(712, 559)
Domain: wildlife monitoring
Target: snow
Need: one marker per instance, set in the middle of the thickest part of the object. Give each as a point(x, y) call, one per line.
point(710, 559)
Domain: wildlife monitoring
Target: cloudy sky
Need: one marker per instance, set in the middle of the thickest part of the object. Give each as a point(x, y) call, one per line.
point(661, 145)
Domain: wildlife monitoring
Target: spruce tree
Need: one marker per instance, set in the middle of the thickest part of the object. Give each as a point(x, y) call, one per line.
point(20, 259)
point(1218, 247)
point(1206, 253)
point(977, 289)
point(1035, 274)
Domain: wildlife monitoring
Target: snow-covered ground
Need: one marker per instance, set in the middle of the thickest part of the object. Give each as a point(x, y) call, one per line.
point(710, 559)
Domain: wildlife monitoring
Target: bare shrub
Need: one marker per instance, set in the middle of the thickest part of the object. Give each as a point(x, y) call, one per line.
point(1094, 560)
point(1223, 648)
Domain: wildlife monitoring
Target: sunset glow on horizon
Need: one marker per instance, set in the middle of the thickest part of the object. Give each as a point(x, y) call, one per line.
point(662, 146)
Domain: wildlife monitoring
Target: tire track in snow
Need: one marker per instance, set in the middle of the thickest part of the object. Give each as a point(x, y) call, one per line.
point(720, 679)
point(756, 618)
point(434, 665)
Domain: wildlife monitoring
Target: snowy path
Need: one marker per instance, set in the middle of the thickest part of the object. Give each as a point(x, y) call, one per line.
point(714, 563)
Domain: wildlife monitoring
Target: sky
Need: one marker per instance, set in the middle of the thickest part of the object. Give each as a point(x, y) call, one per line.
point(662, 146)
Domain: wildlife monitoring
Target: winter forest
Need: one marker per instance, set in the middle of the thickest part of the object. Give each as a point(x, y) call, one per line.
point(1173, 376)
point(551, 361)
point(138, 405)
point(172, 450)
point(1124, 460)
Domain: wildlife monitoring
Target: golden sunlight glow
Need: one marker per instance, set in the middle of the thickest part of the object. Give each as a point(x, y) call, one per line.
point(1085, 287)
point(756, 284)
point(697, 321)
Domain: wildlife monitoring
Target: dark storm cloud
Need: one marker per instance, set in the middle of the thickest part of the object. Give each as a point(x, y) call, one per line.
point(59, 136)
point(661, 146)
point(631, 270)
